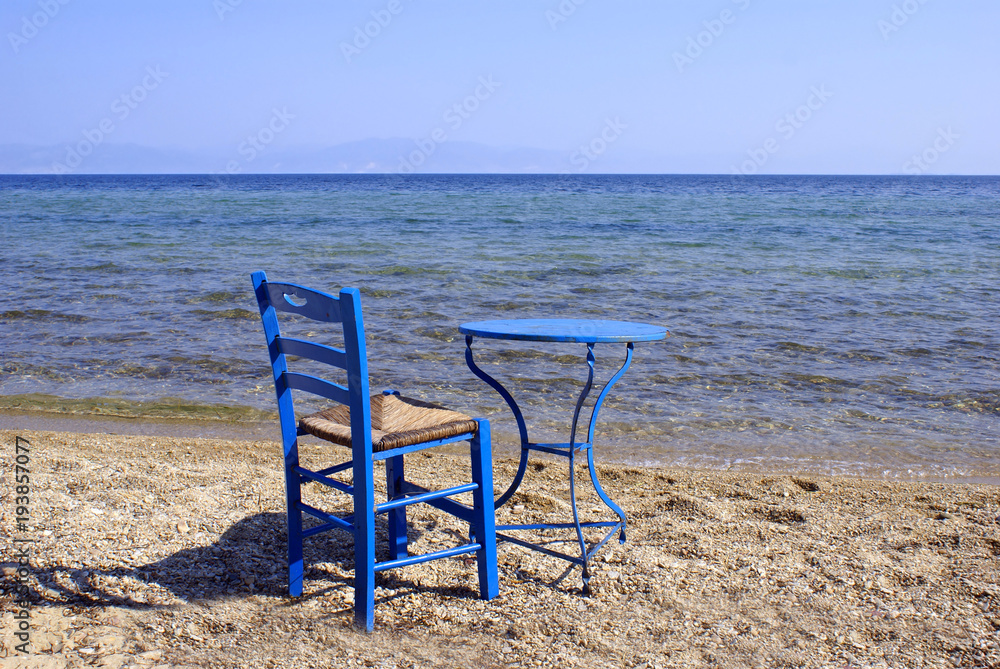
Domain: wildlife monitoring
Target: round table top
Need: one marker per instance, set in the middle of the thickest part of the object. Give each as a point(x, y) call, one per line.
point(564, 329)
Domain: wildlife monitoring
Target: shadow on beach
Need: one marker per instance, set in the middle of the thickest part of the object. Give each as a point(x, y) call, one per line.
point(248, 560)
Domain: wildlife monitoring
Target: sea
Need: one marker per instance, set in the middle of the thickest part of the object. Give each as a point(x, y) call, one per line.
point(833, 325)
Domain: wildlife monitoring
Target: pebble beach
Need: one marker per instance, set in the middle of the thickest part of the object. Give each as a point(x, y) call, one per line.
point(168, 552)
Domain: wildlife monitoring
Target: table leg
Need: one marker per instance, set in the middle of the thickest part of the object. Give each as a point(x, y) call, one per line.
point(590, 437)
point(589, 445)
point(572, 467)
point(568, 450)
point(521, 427)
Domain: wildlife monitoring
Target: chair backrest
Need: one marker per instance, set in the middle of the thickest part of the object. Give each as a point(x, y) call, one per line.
point(319, 306)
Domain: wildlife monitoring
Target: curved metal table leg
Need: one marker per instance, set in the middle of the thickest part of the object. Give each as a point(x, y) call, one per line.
point(572, 465)
point(590, 438)
point(521, 427)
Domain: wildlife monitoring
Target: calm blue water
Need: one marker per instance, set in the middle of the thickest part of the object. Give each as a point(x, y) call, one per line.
point(825, 324)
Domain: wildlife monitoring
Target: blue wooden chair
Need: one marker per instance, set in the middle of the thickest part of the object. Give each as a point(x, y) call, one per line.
point(381, 427)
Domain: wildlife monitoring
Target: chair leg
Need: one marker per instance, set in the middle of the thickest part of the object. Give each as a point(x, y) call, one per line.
point(396, 517)
point(485, 515)
point(293, 495)
point(364, 544)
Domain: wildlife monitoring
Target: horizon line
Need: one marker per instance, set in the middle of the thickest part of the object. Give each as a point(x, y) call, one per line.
point(517, 174)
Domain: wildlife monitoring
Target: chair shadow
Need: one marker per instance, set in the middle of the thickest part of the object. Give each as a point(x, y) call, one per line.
point(248, 560)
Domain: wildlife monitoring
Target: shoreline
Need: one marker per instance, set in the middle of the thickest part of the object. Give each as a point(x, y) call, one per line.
point(505, 441)
point(169, 551)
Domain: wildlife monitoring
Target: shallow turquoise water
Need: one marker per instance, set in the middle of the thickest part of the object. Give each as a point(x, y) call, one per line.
point(831, 324)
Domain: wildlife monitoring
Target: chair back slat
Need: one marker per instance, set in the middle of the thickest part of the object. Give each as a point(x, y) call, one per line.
point(317, 386)
point(307, 349)
point(304, 302)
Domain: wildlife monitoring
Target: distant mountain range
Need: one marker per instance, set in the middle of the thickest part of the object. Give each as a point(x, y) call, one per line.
point(370, 155)
point(400, 155)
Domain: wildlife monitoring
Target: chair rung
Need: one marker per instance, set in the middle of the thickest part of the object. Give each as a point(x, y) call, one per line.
point(325, 480)
point(457, 509)
point(328, 517)
point(427, 557)
point(425, 497)
point(335, 469)
point(319, 529)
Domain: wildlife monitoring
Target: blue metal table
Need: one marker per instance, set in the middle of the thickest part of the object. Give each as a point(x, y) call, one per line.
point(589, 332)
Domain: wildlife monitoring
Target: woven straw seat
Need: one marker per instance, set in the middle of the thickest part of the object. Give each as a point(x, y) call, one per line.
point(396, 422)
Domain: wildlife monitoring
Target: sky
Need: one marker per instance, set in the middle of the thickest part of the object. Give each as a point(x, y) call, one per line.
point(672, 86)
